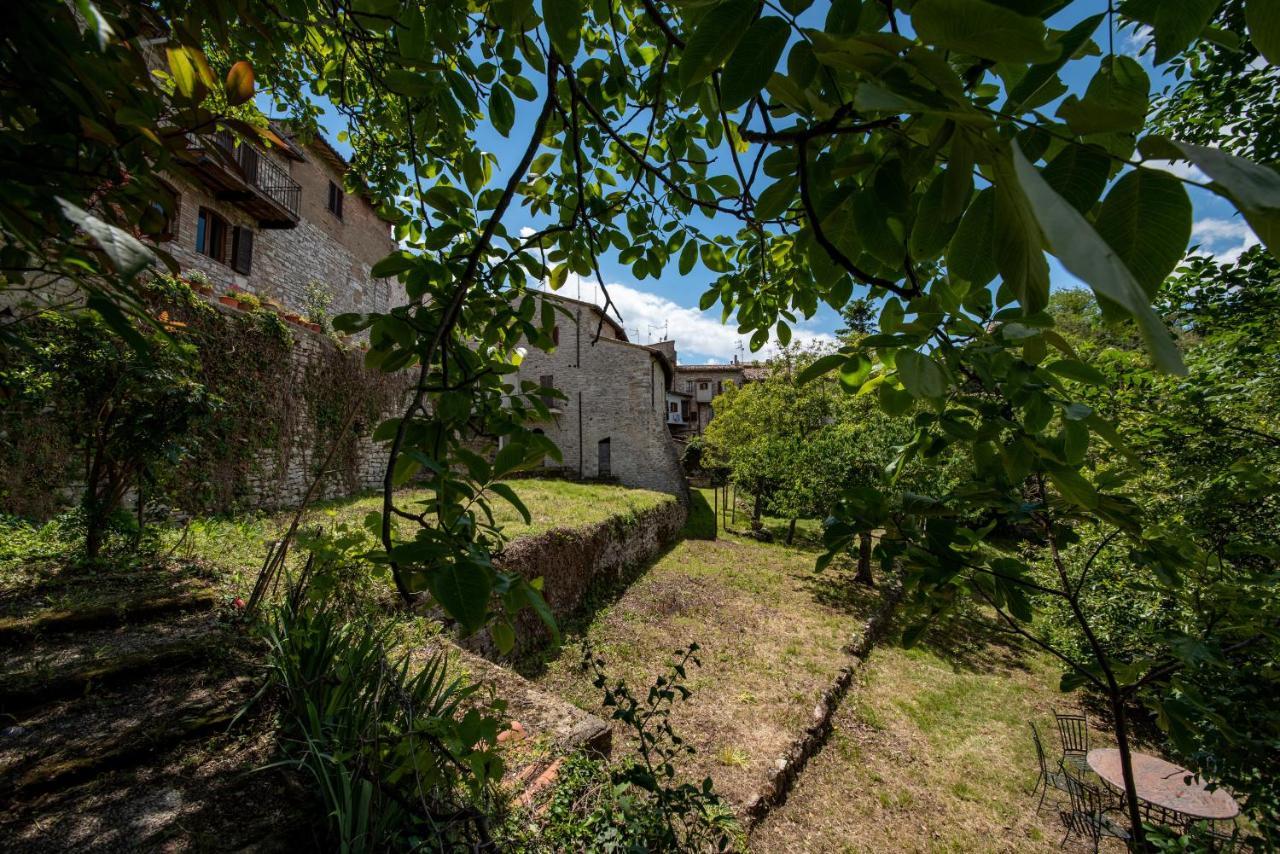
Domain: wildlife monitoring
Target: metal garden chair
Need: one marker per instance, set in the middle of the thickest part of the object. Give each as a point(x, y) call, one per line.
point(1073, 730)
point(1088, 817)
point(1055, 778)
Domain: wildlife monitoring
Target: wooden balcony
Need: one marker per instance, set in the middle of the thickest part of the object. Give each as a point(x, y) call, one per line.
point(240, 174)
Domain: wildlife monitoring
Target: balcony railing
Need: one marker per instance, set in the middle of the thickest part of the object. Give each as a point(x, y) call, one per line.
point(241, 174)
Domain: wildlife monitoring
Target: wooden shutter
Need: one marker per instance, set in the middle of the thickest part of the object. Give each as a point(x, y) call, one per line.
point(242, 250)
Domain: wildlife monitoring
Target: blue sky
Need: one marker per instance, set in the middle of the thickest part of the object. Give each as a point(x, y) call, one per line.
point(651, 308)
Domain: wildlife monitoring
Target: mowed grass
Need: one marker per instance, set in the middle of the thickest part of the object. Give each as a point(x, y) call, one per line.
point(771, 632)
point(930, 752)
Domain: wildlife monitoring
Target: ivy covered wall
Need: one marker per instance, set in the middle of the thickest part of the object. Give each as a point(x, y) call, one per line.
point(281, 395)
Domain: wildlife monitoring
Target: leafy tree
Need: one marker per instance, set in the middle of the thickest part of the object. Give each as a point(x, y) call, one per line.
point(127, 411)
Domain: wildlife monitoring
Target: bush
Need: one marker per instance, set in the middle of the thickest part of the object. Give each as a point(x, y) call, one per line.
point(401, 759)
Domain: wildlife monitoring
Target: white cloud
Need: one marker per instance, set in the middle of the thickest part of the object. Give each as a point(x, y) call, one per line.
point(527, 231)
point(1134, 40)
point(699, 337)
point(1225, 239)
point(1178, 168)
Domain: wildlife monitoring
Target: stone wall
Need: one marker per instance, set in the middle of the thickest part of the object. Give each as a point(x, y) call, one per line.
point(616, 391)
point(575, 563)
point(283, 406)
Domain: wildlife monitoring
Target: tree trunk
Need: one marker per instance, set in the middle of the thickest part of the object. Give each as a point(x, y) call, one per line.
point(1139, 838)
point(791, 531)
point(864, 561)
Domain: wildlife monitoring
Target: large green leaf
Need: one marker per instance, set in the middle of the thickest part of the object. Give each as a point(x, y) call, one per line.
point(969, 254)
point(1079, 174)
point(753, 61)
point(1085, 254)
point(502, 110)
point(463, 591)
point(1016, 242)
point(1146, 219)
point(983, 29)
point(127, 254)
point(1263, 19)
point(931, 231)
point(564, 25)
point(920, 375)
point(1254, 189)
point(1116, 100)
point(715, 38)
point(1038, 76)
point(1176, 22)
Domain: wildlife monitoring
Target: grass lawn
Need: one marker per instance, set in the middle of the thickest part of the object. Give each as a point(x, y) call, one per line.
point(771, 632)
point(930, 752)
point(234, 546)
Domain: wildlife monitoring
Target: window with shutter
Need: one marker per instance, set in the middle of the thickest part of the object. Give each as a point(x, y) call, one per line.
point(211, 235)
point(335, 200)
point(242, 250)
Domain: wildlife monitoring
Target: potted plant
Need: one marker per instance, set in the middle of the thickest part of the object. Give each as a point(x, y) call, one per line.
point(228, 299)
point(199, 282)
point(273, 304)
point(248, 301)
point(313, 326)
point(293, 318)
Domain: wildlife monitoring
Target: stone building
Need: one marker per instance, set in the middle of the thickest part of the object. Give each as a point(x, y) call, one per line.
point(699, 384)
point(613, 424)
point(278, 222)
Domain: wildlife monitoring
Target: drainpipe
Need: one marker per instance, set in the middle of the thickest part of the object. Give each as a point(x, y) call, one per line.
point(581, 450)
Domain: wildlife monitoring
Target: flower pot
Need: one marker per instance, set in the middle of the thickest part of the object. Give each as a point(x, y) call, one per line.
point(206, 290)
point(231, 301)
point(314, 327)
point(247, 306)
point(294, 318)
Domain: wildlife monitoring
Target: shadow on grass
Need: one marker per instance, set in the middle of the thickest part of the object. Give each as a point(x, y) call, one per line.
point(701, 522)
point(973, 641)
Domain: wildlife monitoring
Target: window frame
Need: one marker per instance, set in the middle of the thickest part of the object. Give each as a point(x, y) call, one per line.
point(335, 199)
point(210, 225)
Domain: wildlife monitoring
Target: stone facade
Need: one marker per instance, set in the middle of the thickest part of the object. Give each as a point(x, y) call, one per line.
point(336, 252)
point(699, 384)
point(613, 424)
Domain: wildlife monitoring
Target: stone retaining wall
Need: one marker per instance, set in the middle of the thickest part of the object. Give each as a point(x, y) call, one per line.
point(577, 563)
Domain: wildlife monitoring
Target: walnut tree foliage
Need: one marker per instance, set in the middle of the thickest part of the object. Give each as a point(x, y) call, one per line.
point(923, 153)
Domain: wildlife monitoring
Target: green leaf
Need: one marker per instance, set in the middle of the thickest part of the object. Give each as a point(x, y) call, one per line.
point(820, 366)
point(505, 490)
point(894, 401)
point(1085, 254)
point(509, 458)
point(688, 257)
point(127, 254)
point(1039, 75)
point(1074, 486)
point(931, 231)
point(1116, 100)
point(394, 264)
point(1252, 188)
point(462, 591)
point(715, 38)
point(920, 375)
point(408, 83)
point(979, 28)
point(777, 198)
point(1078, 371)
point(753, 61)
point(970, 255)
point(784, 333)
point(1263, 19)
point(239, 86)
point(1176, 23)
point(504, 636)
point(1079, 174)
point(1146, 219)
point(502, 110)
point(854, 372)
point(1016, 241)
point(564, 25)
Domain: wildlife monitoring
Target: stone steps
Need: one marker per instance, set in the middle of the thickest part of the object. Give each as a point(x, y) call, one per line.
point(71, 664)
point(67, 740)
point(25, 626)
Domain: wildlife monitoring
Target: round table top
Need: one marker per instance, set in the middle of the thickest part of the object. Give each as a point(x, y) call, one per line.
point(1163, 784)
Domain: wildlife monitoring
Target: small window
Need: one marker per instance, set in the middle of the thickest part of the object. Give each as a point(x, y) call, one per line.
point(673, 406)
point(604, 458)
point(211, 235)
point(335, 200)
point(703, 386)
point(242, 250)
point(555, 335)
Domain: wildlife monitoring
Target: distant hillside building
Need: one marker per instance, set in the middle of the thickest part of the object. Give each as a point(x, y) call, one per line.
point(613, 426)
point(698, 385)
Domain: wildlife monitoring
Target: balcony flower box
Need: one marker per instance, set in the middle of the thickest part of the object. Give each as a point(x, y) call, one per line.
point(314, 327)
point(227, 299)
